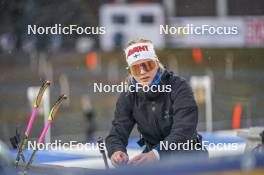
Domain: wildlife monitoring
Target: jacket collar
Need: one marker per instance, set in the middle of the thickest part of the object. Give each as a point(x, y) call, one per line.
point(164, 79)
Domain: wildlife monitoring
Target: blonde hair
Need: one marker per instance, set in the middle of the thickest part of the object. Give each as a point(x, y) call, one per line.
point(138, 40)
point(135, 41)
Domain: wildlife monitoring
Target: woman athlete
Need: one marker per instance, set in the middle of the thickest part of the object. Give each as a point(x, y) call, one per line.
point(159, 102)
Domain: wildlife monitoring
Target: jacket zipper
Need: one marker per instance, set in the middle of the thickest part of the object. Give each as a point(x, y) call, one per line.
point(159, 133)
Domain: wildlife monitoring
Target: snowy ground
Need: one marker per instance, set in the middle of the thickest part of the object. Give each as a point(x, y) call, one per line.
point(91, 157)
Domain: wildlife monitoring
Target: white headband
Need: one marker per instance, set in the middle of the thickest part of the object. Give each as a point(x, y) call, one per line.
point(140, 51)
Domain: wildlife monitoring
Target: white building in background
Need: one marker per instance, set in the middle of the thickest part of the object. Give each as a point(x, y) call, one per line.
point(124, 22)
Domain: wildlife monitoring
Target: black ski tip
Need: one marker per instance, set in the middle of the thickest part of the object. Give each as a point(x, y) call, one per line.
point(15, 140)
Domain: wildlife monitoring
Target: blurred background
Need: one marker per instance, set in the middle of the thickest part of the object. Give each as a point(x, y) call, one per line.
point(225, 71)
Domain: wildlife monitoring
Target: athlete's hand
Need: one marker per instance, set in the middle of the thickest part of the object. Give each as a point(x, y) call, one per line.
point(119, 158)
point(143, 158)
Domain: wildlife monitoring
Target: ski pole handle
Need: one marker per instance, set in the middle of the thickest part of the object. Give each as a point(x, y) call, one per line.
point(36, 104)
point(42, 89)
point(52, 115)
point(56, 106)
point(31, 120)
point(44, 131)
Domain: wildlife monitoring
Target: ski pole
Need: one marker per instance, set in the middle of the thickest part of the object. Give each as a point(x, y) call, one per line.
point(101, 146)
point(36, 104)
point(52, 115)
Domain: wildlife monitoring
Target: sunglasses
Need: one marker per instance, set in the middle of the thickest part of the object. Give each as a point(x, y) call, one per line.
point(139, 69)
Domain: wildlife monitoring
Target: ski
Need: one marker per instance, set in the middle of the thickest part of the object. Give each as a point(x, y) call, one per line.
point(52, 115)
point(36, 104)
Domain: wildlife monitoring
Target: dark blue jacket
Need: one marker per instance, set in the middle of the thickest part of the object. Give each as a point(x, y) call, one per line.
point(164, 116)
